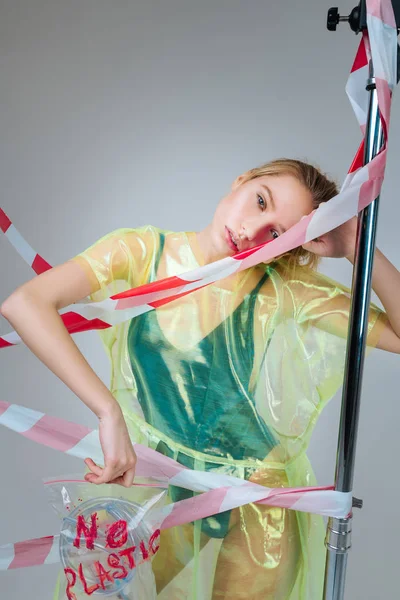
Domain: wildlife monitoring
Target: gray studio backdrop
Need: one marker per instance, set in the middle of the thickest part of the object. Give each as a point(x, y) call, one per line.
point(119, 113)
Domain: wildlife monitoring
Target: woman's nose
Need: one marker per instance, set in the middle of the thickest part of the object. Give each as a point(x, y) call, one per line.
point(251, 231)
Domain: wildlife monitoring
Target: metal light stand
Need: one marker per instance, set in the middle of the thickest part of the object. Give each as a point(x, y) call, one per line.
point(338, 537)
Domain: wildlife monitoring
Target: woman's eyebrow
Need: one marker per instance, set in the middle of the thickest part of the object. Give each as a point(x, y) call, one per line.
point(271, 199)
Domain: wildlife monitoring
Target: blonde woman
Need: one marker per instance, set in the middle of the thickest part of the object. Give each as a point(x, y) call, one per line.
point(230, 378)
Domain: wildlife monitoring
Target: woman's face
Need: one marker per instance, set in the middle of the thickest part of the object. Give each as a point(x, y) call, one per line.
point(258, 211)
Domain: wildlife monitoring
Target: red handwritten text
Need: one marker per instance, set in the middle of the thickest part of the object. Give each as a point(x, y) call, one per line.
point(119, 562)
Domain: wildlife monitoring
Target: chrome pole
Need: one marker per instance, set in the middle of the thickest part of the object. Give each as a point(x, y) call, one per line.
point(338, 537)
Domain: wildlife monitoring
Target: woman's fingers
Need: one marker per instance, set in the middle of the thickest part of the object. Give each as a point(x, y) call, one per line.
point(128, 477)
point(318, 246)
point(96, 471)
point(105, 475)
point(108, 474)
point(92, 466)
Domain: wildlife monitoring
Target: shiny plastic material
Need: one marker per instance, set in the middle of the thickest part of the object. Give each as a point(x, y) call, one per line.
point(106, 542)
point(231, 379)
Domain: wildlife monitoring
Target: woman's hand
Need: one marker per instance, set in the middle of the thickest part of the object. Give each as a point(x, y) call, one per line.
point(338, 243)
point(119, 455)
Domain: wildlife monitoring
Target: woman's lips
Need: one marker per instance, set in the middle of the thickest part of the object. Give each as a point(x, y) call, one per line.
point(229, 240)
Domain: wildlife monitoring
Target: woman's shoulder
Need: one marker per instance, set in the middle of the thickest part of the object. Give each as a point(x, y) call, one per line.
point(301, 276)
point(123, 245)
point(140, 230)
point(144, 236)
point(294, 288)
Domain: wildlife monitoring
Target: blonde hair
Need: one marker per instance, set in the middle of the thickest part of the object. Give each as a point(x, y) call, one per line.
point(321, 188)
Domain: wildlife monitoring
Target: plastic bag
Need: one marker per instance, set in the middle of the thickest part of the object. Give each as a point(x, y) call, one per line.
point(108, 537)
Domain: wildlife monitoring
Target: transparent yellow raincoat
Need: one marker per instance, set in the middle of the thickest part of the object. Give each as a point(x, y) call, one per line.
point(230, 379)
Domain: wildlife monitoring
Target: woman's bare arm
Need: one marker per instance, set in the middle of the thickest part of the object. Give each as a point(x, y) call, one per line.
point(386, 285)
point(32, 310)
point(341, 242)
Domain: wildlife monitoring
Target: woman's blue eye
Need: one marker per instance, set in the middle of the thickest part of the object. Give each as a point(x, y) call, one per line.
point(275, 234)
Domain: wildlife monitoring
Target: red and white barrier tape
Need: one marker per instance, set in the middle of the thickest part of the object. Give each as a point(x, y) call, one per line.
point(220, 493)
point(361, 187)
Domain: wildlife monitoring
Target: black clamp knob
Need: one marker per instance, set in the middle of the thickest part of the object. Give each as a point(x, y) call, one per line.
point(332, 20)
point(353, 19)
point(357, 503)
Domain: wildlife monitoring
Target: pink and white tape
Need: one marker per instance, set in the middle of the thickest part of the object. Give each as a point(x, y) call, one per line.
point(219, 492)
point(361, 186)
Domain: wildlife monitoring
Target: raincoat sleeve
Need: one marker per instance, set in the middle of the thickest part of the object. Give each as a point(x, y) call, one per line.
point(317, 301)
point(304, 357)
point(320, 310)
point(118, 261)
